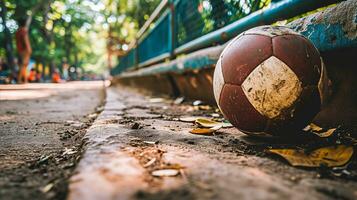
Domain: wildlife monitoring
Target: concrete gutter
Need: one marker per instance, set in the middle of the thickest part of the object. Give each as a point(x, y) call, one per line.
point(105, 167)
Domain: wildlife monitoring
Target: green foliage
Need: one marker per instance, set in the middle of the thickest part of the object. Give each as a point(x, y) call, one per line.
point(125, 17)
point(59, 30)
point(77, 31)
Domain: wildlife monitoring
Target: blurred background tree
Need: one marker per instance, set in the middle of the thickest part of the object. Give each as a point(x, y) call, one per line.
point(79, 32)
point(124, 19)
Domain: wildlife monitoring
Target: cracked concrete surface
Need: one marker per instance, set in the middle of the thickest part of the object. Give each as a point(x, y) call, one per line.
point(226, 165)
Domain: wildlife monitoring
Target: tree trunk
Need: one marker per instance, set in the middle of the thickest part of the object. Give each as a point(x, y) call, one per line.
point(52, 67)
point(7, 39)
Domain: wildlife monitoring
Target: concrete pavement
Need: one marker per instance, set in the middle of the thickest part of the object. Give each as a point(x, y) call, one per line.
point(137, 135)
point(41, 130)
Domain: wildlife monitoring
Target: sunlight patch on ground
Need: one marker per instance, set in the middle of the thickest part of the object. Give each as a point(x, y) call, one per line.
point(41, 90)
point(24, 94)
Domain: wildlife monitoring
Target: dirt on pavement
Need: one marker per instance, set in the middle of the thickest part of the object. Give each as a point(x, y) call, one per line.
point(41, 141)
point(41, 130)
point(137, 135)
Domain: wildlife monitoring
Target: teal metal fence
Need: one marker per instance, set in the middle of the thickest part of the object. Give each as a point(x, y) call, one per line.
point(194, 18)
point(157, 40)
point(126, 62)
point(182, 26)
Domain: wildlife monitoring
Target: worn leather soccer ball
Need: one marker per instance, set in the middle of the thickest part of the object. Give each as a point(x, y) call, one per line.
point(270, 80)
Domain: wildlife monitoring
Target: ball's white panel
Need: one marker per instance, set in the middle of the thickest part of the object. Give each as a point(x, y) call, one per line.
point(272, 87)
point(218, 81)
point(323, 84)
point(270, 31)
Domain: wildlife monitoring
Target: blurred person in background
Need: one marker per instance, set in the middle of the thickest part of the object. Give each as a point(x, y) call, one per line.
point(32, 76)
point(24, 49)
point(56, 77)
point(38, 76)
point(65, 68)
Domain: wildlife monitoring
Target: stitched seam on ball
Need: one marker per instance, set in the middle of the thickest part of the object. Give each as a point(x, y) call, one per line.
point(251, 71)
point(308, 40)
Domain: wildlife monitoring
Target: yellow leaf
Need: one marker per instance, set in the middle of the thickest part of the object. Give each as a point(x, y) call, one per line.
point(314, 127)
point(327, 133)
point(330, 156)
point(321, 132)
point(205, 131)
point(188, 119)
point(207, 123)
point(202, 131)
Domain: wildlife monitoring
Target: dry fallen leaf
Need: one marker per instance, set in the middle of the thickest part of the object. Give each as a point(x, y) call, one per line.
point(202, 131)
point(314, 128)
point(317, 130)
point(327, 133)
point(329, 156)
point(205, 131)
point(165, 172)
point(188, 119)
point(207, 123)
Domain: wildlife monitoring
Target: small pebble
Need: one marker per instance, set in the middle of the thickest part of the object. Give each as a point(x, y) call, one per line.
point(135, 126)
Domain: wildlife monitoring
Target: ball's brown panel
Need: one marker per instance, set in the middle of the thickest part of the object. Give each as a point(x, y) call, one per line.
point(300, 115)
point(237, 109)
point(243, 55)
point(300, 55)
point(308, 106)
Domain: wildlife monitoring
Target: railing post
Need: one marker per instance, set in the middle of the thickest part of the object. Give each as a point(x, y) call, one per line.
point(172, 29)
point(136, 54)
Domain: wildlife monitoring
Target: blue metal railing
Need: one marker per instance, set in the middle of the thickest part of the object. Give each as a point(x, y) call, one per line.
point(126, 62)
point(156, 42)
point(187, 25)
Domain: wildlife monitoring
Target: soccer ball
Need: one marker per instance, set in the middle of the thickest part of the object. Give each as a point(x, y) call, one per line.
point(270, 80)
